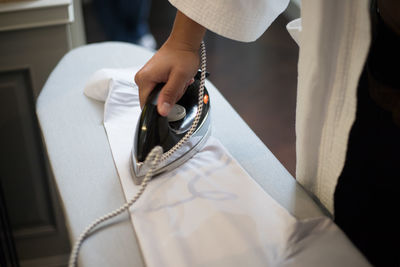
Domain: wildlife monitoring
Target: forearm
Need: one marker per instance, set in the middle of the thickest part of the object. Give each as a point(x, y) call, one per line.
point(186, 33)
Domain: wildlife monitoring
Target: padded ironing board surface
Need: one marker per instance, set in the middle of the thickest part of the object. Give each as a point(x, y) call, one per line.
point(83, 167)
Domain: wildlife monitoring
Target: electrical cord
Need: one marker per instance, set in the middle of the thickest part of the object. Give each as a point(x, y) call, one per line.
point(154, 158)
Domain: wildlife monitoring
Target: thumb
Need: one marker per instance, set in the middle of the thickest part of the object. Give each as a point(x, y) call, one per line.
point(170, 93)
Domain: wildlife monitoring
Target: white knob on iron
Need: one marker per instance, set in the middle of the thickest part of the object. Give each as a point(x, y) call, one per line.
point(177, 113)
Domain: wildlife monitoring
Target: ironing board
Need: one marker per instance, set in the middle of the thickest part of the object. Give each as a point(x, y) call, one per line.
point(83, 167)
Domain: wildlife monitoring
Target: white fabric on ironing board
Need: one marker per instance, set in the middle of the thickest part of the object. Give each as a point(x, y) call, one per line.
point(209, 212)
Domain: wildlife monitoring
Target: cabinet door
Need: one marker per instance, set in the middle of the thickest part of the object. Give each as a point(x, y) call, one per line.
point(32, 205)
point(8, 255)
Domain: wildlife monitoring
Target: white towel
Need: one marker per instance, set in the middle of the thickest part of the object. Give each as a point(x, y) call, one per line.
point(209, 211)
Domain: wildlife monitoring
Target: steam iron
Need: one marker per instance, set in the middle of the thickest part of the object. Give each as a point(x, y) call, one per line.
point(153, 129)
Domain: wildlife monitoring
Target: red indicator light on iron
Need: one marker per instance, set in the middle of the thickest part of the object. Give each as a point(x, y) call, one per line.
point(205, 99)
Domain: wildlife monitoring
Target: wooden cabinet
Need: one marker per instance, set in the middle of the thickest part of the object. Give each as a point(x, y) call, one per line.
point(34, 35)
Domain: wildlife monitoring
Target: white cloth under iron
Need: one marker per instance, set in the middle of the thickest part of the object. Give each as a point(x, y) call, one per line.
point(209, 211)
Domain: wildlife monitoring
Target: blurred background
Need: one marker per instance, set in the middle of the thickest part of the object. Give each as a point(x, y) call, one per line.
point(258, 79)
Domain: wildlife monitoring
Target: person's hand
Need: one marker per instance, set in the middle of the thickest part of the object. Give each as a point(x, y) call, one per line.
point(175, 64)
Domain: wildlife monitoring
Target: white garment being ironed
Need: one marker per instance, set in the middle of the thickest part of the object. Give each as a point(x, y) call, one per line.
point(187, 216)
point(334, 42)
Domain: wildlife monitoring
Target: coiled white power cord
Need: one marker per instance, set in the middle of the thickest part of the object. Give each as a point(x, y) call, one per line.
point(153, 159)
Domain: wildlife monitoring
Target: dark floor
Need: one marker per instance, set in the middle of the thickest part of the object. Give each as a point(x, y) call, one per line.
point(258, 79)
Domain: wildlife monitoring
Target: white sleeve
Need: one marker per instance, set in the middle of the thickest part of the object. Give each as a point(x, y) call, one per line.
point(241, 20)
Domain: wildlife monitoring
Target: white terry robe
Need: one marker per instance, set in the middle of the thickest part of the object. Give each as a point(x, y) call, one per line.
point(334, 40)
